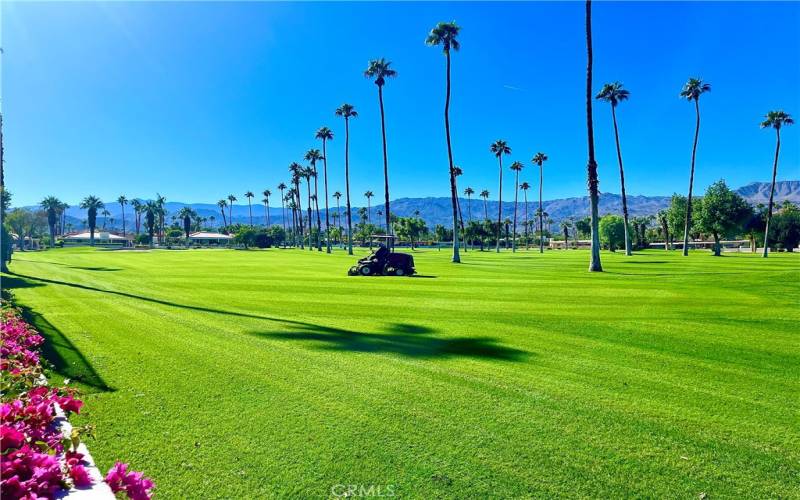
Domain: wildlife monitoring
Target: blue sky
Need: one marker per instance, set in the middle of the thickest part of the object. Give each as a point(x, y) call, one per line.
point(198, 100)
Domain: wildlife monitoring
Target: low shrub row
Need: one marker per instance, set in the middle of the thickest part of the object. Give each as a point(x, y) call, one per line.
point(36, 459)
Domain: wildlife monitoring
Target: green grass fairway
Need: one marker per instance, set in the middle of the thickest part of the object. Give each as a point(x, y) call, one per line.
point(225, 373)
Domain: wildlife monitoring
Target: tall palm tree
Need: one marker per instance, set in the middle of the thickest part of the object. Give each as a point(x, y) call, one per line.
point(517, 168)
point(105, 213)
point(776, 120)
point(162, 212)
point(267, 193)
point(338, 196)
point(692, 91)
point(379, 70)
point(347, 111)
point(51, 205)
point(325, 134)
point(308, 172)
point(249, 195)
point(222, 204)
point(313, 156)
point(186, 215)
point(281, 188)
point(539, 159)
point(468, 192)
point(297, 172)
point(138, 208)
point(591, 166)
point(122, 200)
point(91, 204)
point(291, 205)
point(525, 187)
point(485, 196)
point(231, 199)
point(614, 93)
point(151, 211)
point(500, 148)
point(457, 172)
point(368, 195)
point(62, 216)
point(446, 35)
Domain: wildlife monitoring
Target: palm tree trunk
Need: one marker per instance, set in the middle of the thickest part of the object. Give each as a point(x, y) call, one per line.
point(527, 242)
point(688, 223)
point(485, 209)
point(541, 210)
point(316, 207)
point(500, 205)
point(224, 221)
point(347, 186)
point(469, 221)
point(385, 166)
point(622, 183)
point(325, 182)
point(294, 224)
point(460, 216)
point(591, 167)
point(453, 192)
point(123, 219)
point(268, 213)
point(772, 192)
point(283, 211)
point(516, 197)
point(308, 191)
point(299, 209)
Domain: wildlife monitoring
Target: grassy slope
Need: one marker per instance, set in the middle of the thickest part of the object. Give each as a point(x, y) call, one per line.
point(226, 373)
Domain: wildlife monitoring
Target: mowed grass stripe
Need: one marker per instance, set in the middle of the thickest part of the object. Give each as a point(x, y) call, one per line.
point(272, 373)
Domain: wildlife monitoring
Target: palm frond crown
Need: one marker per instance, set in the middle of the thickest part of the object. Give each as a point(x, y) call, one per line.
point(380, 70)
point(777, 119)
point(446, 35)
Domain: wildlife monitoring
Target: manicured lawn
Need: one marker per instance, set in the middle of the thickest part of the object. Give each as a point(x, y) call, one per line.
point(271, 373)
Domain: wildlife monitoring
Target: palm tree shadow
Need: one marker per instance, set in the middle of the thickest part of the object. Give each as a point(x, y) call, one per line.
point(64, 358)
point(90, 268)
point(400, 338)
point(397, 338)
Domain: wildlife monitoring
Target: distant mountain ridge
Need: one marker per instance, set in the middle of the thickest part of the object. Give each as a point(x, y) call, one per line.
point(437, 210)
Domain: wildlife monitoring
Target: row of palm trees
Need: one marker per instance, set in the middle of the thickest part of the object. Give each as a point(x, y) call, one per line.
point(445, 35)
point(692, 91)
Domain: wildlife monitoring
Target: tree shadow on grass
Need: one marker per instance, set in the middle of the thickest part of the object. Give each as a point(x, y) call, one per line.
point(90, 268)
point(65, 359)
point(398, 338)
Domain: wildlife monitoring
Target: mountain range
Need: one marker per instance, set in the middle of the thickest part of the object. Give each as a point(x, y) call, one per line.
point(437, 210)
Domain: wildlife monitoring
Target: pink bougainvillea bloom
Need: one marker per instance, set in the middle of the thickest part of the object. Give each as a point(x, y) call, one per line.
point(10, 438)
point(80, 477)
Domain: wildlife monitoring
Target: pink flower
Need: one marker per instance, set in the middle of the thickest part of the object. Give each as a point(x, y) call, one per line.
point(10, 438)
point(80, 477)
point(134, 484)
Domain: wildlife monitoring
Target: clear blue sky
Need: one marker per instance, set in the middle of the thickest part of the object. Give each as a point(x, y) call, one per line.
point(198, 100)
